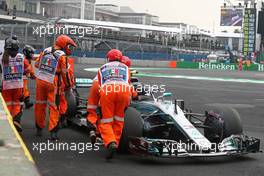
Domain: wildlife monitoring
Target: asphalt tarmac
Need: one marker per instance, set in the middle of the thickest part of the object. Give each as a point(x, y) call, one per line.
point(78, 158)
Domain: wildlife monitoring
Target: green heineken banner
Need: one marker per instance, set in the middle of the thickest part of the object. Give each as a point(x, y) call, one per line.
point(219, 66)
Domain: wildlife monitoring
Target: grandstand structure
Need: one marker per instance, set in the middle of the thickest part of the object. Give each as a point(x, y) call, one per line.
point(143, 37)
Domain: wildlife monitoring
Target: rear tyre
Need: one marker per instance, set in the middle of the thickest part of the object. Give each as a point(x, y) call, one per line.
point(68, 122)
point(71, 103)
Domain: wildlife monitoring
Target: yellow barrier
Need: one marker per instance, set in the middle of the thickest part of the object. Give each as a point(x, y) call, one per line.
point(10, 121)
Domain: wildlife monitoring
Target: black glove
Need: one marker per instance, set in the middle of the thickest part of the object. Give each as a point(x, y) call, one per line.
point(90, 126)
point(57, 100)
point(141, 93)
point(135, 98)
point(21, 99)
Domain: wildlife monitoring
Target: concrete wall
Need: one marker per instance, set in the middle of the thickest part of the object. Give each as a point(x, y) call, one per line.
point(15, 158)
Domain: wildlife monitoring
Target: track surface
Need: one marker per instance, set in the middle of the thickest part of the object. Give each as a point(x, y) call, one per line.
point(248, 99)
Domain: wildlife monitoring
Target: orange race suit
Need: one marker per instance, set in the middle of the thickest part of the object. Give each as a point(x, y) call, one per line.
point(28, 73)
point(12, 85)
point(51, 64)
point(115, 95)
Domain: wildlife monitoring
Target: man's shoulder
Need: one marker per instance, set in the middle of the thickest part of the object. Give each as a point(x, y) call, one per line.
point(59, 53)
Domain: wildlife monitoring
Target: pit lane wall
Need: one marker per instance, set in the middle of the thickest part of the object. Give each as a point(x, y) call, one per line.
point(181, 65)
point(15, 158)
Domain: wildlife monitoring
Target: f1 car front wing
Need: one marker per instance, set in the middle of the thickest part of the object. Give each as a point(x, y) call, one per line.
point(233, 145)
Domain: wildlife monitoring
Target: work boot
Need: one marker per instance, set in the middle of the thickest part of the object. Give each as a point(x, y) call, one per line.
point(54, 134)
point(16, 121)
point(93, 137)
point(63, 122)
point(111, 150)
point(27, 102)
point(92, 132)
point(39, 131)
point(18, 126)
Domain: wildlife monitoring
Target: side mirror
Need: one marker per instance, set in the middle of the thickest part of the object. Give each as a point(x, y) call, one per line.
point(83, 82)
point(165, 94)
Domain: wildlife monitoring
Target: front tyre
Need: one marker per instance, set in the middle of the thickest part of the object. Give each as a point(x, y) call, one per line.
point(133, 127)
point(222, 122)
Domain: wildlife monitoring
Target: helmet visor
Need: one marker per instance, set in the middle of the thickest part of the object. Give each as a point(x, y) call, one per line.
point(70, 47)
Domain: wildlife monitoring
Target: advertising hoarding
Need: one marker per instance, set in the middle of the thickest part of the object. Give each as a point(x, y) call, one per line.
point(249, 30)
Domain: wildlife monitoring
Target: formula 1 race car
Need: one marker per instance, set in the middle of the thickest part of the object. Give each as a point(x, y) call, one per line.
point(156, 126)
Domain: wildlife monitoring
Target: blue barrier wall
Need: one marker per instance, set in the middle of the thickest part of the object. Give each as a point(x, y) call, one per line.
point(141, 56)
point(144, 56)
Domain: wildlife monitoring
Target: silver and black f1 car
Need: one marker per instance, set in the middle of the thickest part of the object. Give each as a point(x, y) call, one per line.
point(156, 126)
